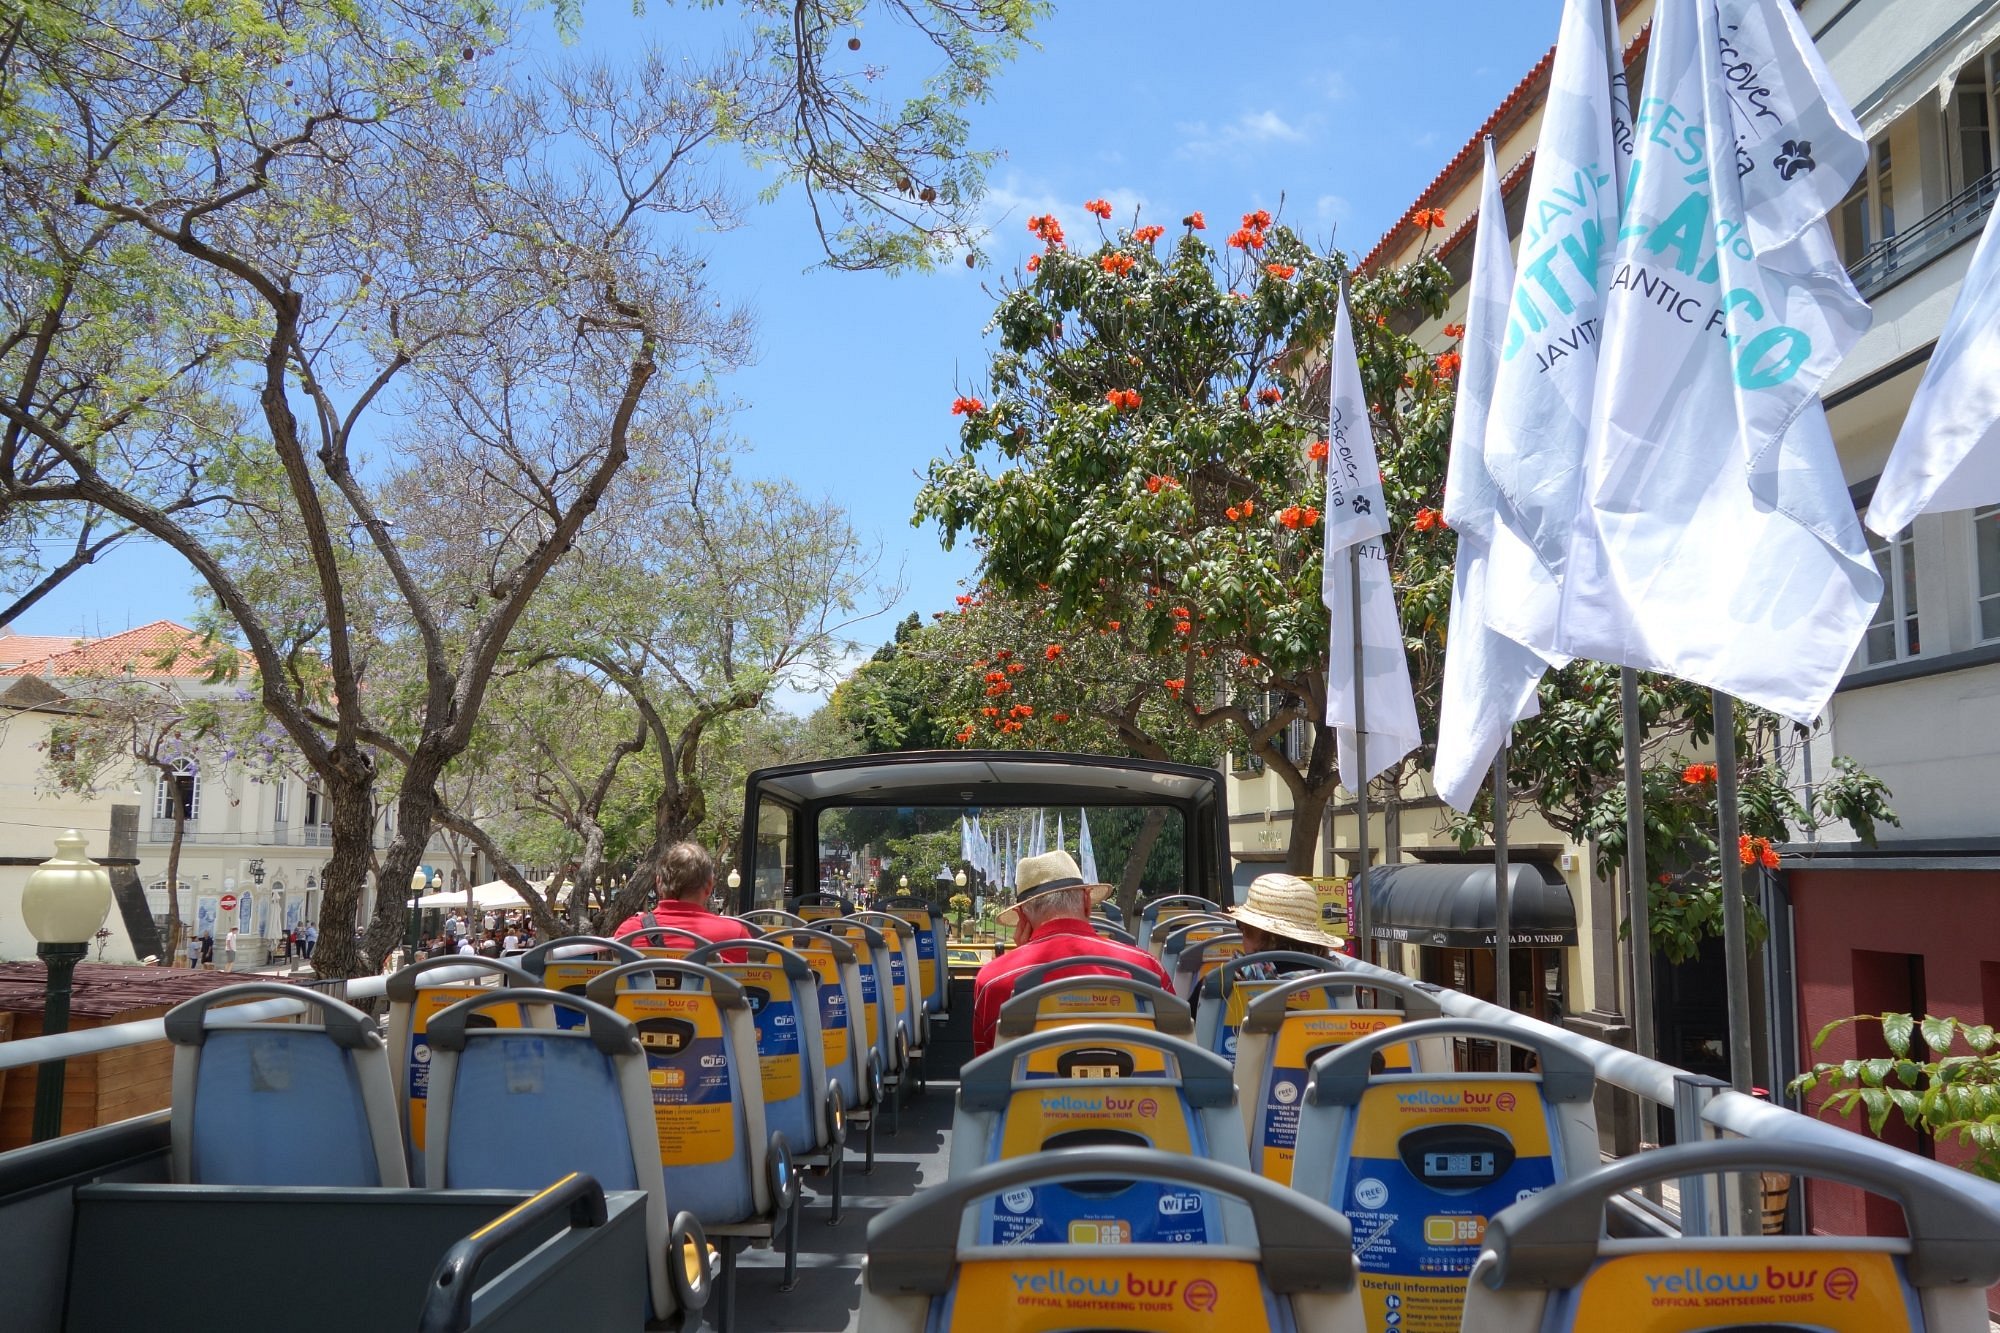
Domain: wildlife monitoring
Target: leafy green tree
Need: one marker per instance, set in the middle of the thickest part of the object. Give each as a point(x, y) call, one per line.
point(249, 245)
point(1144, 488)
point(886, 702)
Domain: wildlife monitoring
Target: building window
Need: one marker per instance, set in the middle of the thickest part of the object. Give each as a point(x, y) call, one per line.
point(1868, 215)
point(278, 801)
point(1893, 634)
point(312, 807)
point(1972, 123)
point(1986, 559)
point(182, 789)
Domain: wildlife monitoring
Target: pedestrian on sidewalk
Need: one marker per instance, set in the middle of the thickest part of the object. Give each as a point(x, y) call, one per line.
point(207, 951)
point(193, 951)
point(229, 950)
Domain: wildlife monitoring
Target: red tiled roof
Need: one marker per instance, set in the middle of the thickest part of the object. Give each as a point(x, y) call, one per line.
point(1526, 95)
point(18, 648)
point(140, 651)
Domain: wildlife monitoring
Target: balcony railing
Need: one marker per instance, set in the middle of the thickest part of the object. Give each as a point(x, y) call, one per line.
point(312, 835)
point(1896, 257)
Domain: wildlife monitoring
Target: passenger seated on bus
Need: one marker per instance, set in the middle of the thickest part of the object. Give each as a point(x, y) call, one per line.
point(1281, 912)
point(1050, 918)
point(687, 878)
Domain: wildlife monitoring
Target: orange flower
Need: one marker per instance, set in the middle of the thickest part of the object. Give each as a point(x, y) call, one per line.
point(1118, 265)
point(1195, 221)
point(1175, 686)
point(1297, 516)
point(1158, 482)
point(1248, 661)
point(1180, 611)
point(965, 736)
point(1311, 516)
point(1317, 451)
point(1183, 627)
point(1447, 364)
point(1034, 262)
point(1113, 625)
point(1381, 321)
point(995, 691)
point(1124, 400)
point(1101, 207)
point(1666, 879)
point(1454, 330)
point(1428, 518)
point(963, 599)
point(1052, 652)
point(989, 711)
point(1769, 857)
point(993, 677)
point(1249, 508)
point(1280, 271)
point(1147, 235)
point(963, 407)
point(1016, 668)
point(1246, 239)
point(1010, 726)
point(1047, 228)
point(1059, 717)
point(1428, 218)
point(1258, 221)
point(1234, 513)
point(1004, 654)
point(1270, 397)
point(1696, 774)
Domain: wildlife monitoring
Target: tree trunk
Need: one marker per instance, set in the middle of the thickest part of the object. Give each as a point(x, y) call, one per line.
point(1135, 864)
point(1308, 813)
point(348, 789)
point(174, 877)
point(417, 807)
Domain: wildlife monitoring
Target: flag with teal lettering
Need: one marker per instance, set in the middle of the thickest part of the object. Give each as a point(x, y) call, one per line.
point(1719, 543)
point(1489, 679)
point(1546, 385)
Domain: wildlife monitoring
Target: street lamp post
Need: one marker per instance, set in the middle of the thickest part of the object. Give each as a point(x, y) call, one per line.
point(66, 900)
point(419, 881)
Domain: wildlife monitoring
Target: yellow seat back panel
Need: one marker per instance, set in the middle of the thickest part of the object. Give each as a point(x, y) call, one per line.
point(1682, 1291)
point(687, 1067)
point(1155, 1295)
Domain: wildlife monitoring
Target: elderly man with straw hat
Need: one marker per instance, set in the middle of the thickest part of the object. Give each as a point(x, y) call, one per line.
point(1050, 918)
point(1282, 912)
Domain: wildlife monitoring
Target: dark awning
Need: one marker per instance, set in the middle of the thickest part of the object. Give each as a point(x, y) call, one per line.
point(1451, 906)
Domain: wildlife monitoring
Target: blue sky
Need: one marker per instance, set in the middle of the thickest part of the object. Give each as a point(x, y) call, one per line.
point(1339, 111)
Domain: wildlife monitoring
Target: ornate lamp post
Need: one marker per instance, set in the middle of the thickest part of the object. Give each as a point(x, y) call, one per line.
point(66, 900)
point(735, 882)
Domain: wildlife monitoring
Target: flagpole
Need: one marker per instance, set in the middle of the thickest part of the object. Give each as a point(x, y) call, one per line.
point(1638, 891)
point(1503, 906)
point(1735, 934)
point(1362, 916)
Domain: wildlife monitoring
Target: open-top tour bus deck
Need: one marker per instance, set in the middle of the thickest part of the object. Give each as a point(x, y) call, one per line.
point(792, 1133)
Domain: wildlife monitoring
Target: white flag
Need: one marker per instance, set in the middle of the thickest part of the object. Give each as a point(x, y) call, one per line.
point(1086, 855)
point(1041, 835)
point(1489, 679)
point(1355, 521)
point(1719, 543)
point(1543, 391)
point(1947, 455)
point(1059, 834)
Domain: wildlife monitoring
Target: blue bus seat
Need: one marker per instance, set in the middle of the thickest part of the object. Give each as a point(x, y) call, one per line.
point(1111, 930)
point(1419, 1161)
point(878, 1012)
point(1277, 1263)
point(1224, 995)
point(1094, 1084)
point(1125, 1001)
point(412, 1002)
point(934, 978)
point(517, 1109)
point(720, 1159)
point(849, 1055)
point(773, 918)
point(278, 1103)
point(1547, 1267)
point(1291, 1024)
point(663, 941)
point(900, 942)
point(800, 1101)
point(1171, 905)
point(572, 973)
point(1175, 936)
point(1201, 956)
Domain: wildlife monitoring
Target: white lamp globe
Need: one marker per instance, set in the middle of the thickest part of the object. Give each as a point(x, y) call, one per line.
point(68, 896)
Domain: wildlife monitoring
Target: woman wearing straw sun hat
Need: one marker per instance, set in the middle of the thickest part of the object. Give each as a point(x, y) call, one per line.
point(1281, 912)
point(1050, 918)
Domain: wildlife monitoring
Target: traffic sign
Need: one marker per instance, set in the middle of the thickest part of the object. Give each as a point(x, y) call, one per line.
point(228, 902)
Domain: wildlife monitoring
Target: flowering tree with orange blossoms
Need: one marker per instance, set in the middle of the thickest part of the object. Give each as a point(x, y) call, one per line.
point(1143, 476)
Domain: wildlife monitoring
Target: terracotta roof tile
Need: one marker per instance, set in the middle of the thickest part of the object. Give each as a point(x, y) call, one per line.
point(1527, 94)
point(138, 651)
point(105, 990)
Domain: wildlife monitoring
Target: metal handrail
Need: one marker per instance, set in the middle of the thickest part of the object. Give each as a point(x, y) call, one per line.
point(1942, 228)
point(92, 1041)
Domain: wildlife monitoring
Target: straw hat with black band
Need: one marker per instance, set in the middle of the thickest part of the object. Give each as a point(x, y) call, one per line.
point(1036, 875)
point(1288, 907)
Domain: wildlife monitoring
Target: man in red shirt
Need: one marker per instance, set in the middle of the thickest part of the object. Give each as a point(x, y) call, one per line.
point(1051, 919)
point(687, 879)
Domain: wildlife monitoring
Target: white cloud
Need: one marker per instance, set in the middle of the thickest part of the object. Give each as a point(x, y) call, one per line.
point(1250, 129)
point(1331, 209)
point(1334, 86)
